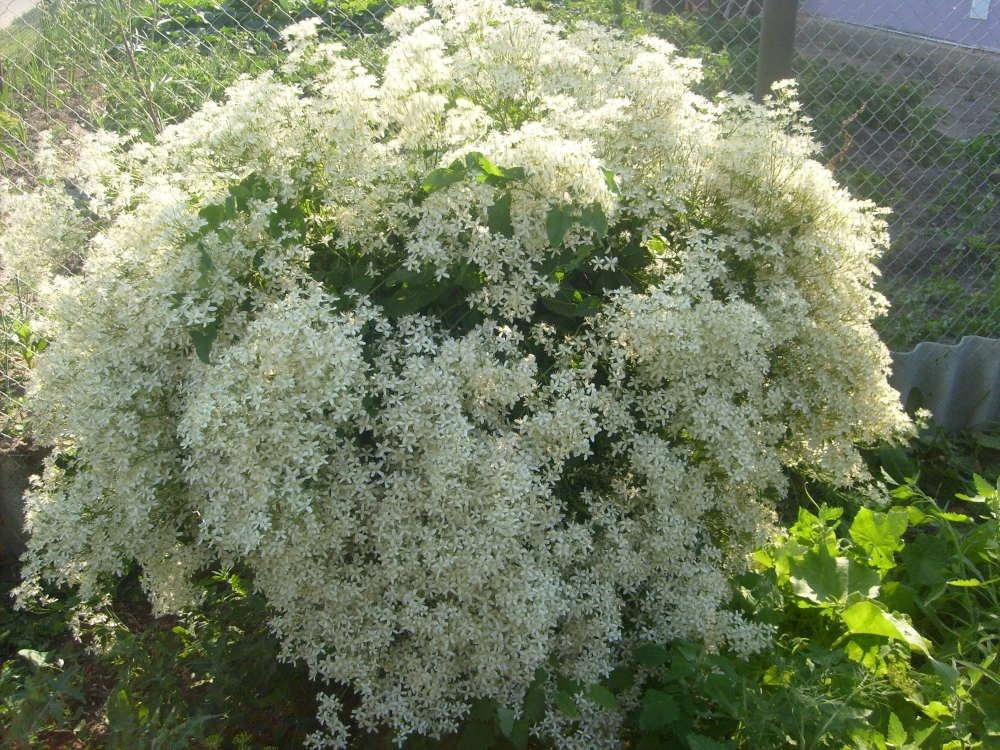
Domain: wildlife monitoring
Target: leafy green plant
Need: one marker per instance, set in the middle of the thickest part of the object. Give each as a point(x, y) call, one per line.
point(19, 345)
point(887, 628)
point(27, 343)
point(121, 679)
point(886, 632)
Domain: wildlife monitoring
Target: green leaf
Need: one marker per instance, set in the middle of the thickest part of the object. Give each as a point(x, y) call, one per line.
point(205, 268)
point(880, 534)
point(926, 560)
point(620, 679)
point(895, 734)
point(557, 223)
point(983, 488)
point(586, 304)
point(520, 734)
point(593, 218)
point(829, 513)
point(965, 583)
point(775, 676)
point(287, 218)
point(808, 528)
point(658, 710)
point(868, 618)
point(602, 697)
point(945, 515)
point(214, 215)
point(409, 300)
point(946, 672)
point(442, 177)
point(534, 704)
point(896, 463)
point(936, 710)
point(569, 685)
point(514, 174)
point(505, 720)
point(475, 160)
point(920, 735)
point(477, 735)
point(610, 181)
point(824, 579)
point(915, 515)
point(652, 656)
point(898, 597)
point(407, 276)
point(23, 331)
point(498, 216)
point(566, 704)
point(902, 492)
point(656, 245)
point(250, 187)
point(203, 338)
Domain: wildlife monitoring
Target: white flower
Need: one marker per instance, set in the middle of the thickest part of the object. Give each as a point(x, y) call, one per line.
point(533, 414)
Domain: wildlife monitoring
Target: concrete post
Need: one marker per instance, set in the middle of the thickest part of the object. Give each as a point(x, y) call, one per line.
point(777, 43)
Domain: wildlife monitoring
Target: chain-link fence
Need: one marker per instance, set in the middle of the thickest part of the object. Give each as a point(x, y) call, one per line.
point(131, 65)
point(142, 64)
point(914, 88)
point(904, 95)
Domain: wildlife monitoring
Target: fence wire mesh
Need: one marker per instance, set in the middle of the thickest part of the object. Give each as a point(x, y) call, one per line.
point(915, 92)
point(131, 65)
point(910, 120)
point(905, 97)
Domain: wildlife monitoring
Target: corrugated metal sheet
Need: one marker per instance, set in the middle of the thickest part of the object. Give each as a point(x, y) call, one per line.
point(959, 383)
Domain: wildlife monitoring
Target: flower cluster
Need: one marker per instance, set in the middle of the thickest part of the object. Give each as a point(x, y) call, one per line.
point(492, 363)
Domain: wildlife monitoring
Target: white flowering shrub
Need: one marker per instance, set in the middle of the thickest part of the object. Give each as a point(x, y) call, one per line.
point(495, 362)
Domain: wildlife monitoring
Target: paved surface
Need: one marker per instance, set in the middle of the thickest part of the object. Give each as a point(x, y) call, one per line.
point(975, 23)
point(12, 9)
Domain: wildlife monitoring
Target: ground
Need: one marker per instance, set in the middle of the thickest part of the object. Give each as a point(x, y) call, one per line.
point(11, 9)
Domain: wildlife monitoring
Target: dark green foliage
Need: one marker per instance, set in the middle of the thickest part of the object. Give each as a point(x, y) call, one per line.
point(210, 679)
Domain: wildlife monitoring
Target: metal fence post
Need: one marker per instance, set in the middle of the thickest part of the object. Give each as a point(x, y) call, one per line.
point(777, 43)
